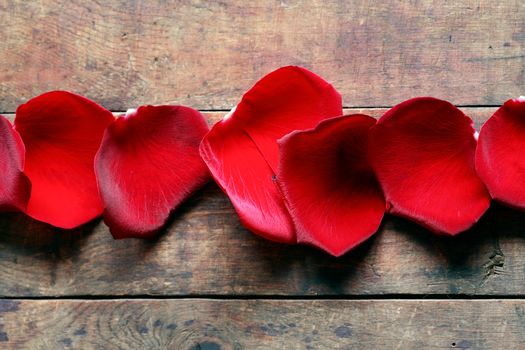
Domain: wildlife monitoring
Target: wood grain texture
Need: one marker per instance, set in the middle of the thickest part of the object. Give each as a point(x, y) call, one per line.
point(205, 54)
point(205, 251)
point(262, 324)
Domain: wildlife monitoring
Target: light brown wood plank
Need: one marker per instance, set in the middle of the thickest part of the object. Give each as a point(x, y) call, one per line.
point(205, 251)
point(205, 54)
point(262, 324)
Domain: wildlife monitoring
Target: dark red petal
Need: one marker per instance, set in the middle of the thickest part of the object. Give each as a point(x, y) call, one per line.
point(242, 152)
point(14, 186)
point(147, 165)
point(62, 132)
point(329, 186)
point(499, 156)
point(422, 151)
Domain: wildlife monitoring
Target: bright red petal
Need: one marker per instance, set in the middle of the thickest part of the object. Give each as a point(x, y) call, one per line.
point(14, 186)
point(241, 171)
point(242, 152)
point(288, 99)
point(499, 158)
point(422, 151)
point(329, 186)
point(147, 165)
point(62, 132)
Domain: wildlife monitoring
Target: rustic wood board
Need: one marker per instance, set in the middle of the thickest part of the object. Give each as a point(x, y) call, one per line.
point(201, 324)
point(206, 54)
point(205, 251)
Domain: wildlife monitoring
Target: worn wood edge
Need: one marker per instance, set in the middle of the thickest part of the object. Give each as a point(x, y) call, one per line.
point(262, 324)
point(478, 114)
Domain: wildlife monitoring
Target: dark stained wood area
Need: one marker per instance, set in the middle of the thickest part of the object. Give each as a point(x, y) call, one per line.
point(203, 324)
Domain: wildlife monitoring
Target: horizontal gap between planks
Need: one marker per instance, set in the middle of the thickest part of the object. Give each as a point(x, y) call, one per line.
point(344, 107)
point(273, 297)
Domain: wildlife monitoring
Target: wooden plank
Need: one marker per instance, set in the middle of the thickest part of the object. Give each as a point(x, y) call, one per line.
point(262, 324)
point(205, 251)
point(206, 54)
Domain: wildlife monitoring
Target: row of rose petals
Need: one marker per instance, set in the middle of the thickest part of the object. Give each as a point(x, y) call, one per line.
point(81, 162)
point(295, 169)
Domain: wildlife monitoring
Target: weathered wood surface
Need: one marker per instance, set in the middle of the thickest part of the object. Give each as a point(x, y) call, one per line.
point(262, 324)
point(205, 54)
point(205, 251)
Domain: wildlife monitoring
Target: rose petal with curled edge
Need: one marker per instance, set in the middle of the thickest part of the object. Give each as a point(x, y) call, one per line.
point(148, 164)
point(61, 132)
point(241, 151)
point(499, 156)
point(15, 187)
point(329, 186)
point(422, 151)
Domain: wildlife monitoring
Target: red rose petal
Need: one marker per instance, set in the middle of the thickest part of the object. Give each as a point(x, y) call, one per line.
point(288, 99)
point(147, 165)
point(333, 196)
point(15, 186)
point(242, 152)
point(422, 151)
point(242, 172)
point(62, 132)
point(499, 159)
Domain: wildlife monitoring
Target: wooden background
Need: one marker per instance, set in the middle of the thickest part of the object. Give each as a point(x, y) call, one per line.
point(207, 283)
